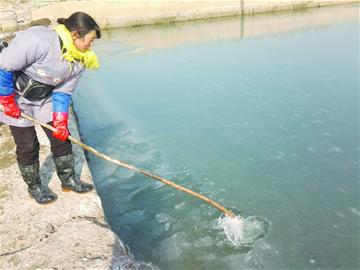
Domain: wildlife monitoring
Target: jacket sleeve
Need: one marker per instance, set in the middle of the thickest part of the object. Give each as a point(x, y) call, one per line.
point(6, 83)
point(61, 96)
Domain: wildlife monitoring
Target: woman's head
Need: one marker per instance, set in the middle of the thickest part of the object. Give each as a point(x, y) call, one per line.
point(83, 28)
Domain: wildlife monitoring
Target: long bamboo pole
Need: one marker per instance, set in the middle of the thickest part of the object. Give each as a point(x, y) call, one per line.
point(133, 168)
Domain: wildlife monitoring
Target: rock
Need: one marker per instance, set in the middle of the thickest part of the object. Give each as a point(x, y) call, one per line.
point(8, 22)
point(43, 22)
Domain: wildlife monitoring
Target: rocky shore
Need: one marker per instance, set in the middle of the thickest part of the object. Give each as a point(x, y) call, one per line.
point(70, 233)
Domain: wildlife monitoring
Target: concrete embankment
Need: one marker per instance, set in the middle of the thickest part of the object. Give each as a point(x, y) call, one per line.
point(18, 14)
point(113, 14)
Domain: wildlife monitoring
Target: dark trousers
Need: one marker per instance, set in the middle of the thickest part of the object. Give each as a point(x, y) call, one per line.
point(27, 144)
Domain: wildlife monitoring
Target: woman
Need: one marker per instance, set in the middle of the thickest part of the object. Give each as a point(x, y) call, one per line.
point(39, 70)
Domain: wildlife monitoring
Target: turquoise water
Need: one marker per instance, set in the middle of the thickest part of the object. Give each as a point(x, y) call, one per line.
point(261, 119)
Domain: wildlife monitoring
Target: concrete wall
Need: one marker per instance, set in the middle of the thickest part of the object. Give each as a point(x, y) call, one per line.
point(17, 14)
point(122, 13)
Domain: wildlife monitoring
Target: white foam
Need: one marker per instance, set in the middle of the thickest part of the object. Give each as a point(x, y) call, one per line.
point(234, 228)
point(240, 231)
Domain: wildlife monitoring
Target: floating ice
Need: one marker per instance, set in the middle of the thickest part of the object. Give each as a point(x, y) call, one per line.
point(161, 218)
point(179, 205)
point(173, 247)
point(310, 149)
point(242, 232)
point(167, 226)
point(204, 242)
point(354, 211)
point(336, 149)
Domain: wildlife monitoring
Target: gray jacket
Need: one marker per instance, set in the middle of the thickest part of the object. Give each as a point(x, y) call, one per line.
point(36, 51)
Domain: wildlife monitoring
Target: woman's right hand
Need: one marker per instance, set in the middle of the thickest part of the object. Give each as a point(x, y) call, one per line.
point(10, 106)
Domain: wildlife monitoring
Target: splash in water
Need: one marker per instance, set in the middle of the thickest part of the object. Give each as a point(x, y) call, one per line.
point(242, 232)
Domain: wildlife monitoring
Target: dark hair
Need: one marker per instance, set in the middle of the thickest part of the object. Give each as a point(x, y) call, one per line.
point(81, 23)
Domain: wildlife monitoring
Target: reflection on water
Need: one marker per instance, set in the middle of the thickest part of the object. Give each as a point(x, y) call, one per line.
point(260, 114)
point(162, 37)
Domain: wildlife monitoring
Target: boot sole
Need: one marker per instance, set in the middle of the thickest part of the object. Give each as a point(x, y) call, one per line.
point(68, 190)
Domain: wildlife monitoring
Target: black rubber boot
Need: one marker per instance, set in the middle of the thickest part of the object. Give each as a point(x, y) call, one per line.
point(31, 176)
point(66, 172)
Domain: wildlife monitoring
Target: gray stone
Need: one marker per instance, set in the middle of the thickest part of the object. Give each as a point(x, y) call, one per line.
point(8, 21)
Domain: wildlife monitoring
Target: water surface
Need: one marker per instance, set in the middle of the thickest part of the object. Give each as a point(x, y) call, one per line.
point(260, 113)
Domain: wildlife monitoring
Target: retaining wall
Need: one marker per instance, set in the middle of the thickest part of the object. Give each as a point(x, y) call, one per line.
point(18, 14)
point(113, 14)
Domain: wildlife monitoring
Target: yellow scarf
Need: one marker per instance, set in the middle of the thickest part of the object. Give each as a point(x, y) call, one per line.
point(71, 54)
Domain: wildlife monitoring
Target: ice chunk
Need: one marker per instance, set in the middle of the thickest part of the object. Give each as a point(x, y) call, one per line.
point(204, 242)
point(161, 218)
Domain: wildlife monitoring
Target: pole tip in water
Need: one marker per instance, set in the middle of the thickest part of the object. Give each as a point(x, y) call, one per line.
point(242, 232)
